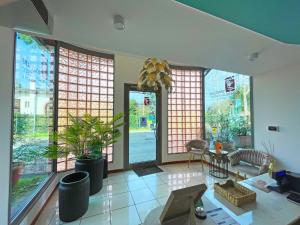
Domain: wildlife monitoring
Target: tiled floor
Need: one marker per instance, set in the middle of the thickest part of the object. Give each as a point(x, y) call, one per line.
point(127, 199)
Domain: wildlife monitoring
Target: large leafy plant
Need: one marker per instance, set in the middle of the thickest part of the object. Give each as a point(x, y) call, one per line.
point(240, 126)
point(85, 138)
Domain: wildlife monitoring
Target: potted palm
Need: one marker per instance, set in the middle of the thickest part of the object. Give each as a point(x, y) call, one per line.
point(106, 134)
point(85, 138)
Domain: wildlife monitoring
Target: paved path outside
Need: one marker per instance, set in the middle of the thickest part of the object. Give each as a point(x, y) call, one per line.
point(142, 147)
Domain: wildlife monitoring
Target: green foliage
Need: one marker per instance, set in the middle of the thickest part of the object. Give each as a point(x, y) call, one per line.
point(133, 112)
point(26, 38)
point(26, 185)
point(30, 126)
point(85, 137)
point(29, 136)
point(230, 115)
point(224, 123)
point(29, 150)
point(239, 126)
point(137, 111)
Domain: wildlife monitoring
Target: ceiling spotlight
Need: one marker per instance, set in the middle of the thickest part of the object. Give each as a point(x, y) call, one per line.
point(253, 57)
point(119, 22)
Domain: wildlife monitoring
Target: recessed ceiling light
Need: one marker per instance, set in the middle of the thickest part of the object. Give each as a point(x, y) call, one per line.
point(119, 22)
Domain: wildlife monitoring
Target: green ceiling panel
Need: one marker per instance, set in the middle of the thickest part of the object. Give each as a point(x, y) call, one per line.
point(277, 19)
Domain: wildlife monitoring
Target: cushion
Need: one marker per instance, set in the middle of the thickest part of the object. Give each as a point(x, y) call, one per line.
point(246, 168)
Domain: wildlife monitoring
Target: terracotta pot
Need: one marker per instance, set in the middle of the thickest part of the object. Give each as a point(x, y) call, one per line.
point(228, 146)
point(17, 168)
point(243, 141)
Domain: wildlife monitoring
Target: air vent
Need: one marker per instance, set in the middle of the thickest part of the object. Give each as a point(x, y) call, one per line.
point(41, 8)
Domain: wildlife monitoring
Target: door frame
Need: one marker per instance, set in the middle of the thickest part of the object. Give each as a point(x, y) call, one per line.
point(133, 87)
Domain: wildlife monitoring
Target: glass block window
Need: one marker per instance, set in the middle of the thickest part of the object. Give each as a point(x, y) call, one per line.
point(85, 85)
point(185, 108)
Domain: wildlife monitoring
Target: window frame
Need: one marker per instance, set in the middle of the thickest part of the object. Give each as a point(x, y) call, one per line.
point(205, 73)
point(17, 219)
point(202, 102)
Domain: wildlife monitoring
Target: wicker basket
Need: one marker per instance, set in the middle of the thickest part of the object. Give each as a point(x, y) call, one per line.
point(235, 193)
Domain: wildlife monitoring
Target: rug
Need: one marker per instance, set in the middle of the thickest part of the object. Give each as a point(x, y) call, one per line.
point(143, 171)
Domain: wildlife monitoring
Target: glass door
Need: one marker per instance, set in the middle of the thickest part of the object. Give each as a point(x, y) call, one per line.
point(142, 127)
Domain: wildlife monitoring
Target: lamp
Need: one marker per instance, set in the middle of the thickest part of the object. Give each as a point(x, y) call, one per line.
point(154, 74)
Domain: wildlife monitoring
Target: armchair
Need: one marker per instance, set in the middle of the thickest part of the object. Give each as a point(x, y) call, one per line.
point(197, 147)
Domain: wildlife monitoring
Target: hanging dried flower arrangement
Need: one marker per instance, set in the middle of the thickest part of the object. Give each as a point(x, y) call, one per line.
point(154, 74)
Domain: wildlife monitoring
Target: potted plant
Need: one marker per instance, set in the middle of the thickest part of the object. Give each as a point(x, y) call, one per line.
point(106, 134)
point(241, 132)
point(85, 138)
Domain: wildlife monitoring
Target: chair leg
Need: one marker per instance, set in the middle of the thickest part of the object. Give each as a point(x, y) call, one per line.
point(190, 155)
point(202, 162)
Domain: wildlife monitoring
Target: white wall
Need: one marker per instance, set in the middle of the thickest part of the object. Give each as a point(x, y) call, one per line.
point(6, 80)
point(277, 102)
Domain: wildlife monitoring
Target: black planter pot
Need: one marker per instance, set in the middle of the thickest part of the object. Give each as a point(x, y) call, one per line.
point(74, 190)
point(105, 168)
point(95, 169)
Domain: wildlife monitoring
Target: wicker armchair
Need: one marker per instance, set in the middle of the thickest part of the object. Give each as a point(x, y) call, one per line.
point(258, 159)
point(197, 147)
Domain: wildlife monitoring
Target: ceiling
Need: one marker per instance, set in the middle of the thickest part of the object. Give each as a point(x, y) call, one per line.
point(276, 19)
point(170, 30)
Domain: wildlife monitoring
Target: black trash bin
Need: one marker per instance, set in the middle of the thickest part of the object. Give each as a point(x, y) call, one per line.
point(74, 191)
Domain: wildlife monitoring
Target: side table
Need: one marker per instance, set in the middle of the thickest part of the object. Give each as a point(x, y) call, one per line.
point(218, 166)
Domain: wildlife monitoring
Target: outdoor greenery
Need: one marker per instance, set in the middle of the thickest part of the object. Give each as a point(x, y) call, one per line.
point(85, 137)
point(29, 150)
point(240, 126)
point(25, 186)
point(228, 117)
point(137, 111)
point(31, 126)
point(133, 112)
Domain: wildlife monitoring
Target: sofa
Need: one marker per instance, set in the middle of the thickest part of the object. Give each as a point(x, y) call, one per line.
point(250, 161)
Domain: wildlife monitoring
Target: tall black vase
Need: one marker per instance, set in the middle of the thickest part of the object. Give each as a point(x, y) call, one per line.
point(74, 190)
point(95, 169)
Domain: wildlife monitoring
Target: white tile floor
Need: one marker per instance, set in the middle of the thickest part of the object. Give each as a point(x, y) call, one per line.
point(126, 199)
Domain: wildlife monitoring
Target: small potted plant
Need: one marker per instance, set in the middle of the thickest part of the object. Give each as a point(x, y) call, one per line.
point(85, 138)
point(241, 132)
